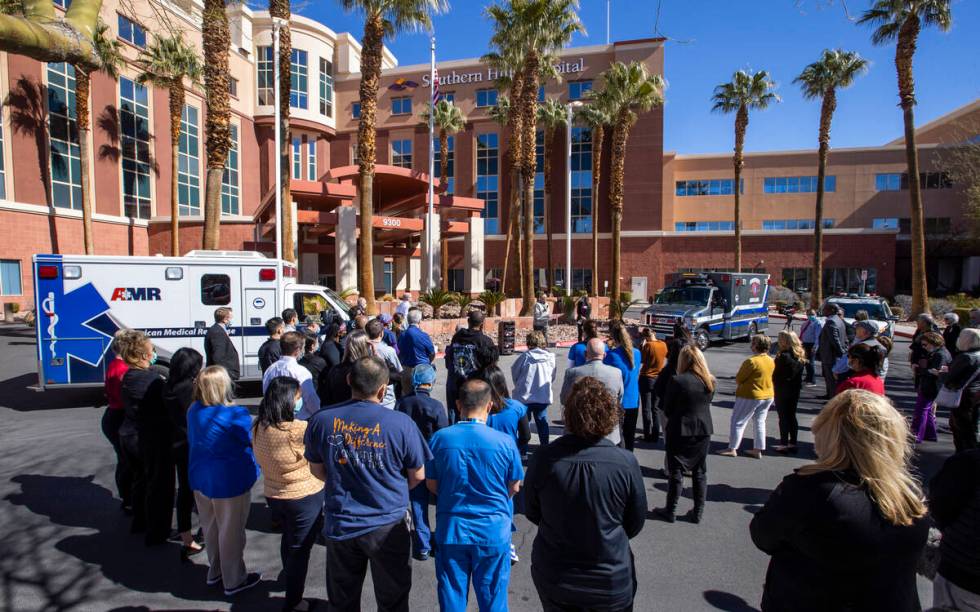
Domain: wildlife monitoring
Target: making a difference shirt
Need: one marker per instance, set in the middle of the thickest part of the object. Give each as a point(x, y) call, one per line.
point(474, 465)
point(365, 450)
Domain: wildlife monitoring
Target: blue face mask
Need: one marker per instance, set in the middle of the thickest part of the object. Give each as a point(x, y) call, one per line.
point(299, 406)
point(813, 317)
point(153, 358)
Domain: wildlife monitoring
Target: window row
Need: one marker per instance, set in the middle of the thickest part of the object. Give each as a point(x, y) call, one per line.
point(135, 150)
point(304, 159)
point(581, 279)
point(797, 184)
point(298, 80)
point(704, 226)
point(794, 224)
point(932, 225)
point(895, 181)
point(708, 187)
point(835, 280)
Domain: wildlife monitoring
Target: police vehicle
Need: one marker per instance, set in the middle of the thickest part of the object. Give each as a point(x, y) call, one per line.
point(712, 306)
point(877, 308)
point(82, 300)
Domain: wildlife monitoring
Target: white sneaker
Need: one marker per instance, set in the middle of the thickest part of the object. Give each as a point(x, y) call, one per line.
point(513, 555)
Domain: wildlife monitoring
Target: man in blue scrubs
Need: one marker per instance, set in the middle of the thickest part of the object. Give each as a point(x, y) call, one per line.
point(474, 472)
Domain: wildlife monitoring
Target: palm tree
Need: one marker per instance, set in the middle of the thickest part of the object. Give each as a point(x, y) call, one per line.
point(448, 119)
point(381, 18)
point(280, 9)
point(746, 91)
point(108, 59)
point(835, 70)
point(165, 63)
point(500, 113)
point(543, 28)
point(217, 126)
point(901, 21)
point(552, 115)
point(629, 89)
point(596, 118)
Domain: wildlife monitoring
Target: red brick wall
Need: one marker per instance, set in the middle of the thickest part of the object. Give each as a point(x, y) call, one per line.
point(233, 236)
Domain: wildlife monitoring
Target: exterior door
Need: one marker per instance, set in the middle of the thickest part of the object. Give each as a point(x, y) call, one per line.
point(259, 307)
point(638, 288)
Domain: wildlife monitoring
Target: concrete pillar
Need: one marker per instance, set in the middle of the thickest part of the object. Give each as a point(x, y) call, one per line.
point(434, 247)
point(309, 266)
point(379, 273)
point(473, 275)
point(401, 274)
point(346, 248)
point(415, 279)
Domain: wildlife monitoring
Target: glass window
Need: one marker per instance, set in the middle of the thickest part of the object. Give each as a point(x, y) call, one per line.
point(486, 97)
point(581, 180)
point(265, 77)
point(134, 120)
point(311, 174)
point(401, 106)
point(298, 86)
point(233, 87)
point(401, 153)
point(10, 281)
point(456, 279)
point(215, 289)
point(448, 96)
point(355, 110)
point(326, 88)
point(131, 32)
point(891, 181)
point(796, 279)
point(229, 178)
point(577, 89)
point(885, 223)
point(451, 161)
point(797, 184)
point(487, 188)
point(541, 93)
point(189, 164)
point(66, 165)
point(297, 158)
point(704, 187)
point(704, 226)
point(63, 3)
point(389, 277)
point(539, 182)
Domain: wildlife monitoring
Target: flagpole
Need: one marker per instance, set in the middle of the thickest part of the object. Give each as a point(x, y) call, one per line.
point(429, 234)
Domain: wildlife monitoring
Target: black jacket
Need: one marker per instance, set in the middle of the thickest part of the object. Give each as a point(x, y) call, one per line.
point(177, 399)
point(950, 335)
point(331, 352)
point(315, 364)
point(687, 404)
point(929, 382)
point(142, 396)
point(954, 502)
point(961, 369)
point(787, 378)
point(269, 353)
point(428, 413)
point(332, 386)
point(220, 350)
point(486, 351)
point(587, 499)
point(833, 340)
point(833, 550)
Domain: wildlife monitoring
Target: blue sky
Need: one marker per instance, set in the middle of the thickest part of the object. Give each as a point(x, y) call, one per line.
point(710, 39)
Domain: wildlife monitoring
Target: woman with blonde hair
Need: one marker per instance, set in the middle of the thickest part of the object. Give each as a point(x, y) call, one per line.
point(787, 381)
point(687, 404)
point(753, 398)
point(623, 356)
point(222, 470)
point(846, 532)
point(115, 415)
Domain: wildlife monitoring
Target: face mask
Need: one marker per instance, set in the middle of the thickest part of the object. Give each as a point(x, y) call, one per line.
point(813, 317)
point(153, 358)
point(299, 406)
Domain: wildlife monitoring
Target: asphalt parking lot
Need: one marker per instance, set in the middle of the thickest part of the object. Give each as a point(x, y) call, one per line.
point(65, 545)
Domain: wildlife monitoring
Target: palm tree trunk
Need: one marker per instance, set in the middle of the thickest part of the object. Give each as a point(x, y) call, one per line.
point(176, 109)
point(528, 109)
point(904, 54)
point(741, 123)
point(82, 86)
point(217, 42)
point(549, 150)
point(598, 132)
point(513, 270)
point(619, 136)
point(281, 9)
point(816, 277)
point(444, 181)
point(366, 145)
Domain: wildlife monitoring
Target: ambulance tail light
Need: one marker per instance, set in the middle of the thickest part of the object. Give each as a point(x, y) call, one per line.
point(725, 278)
point(289, 271)
point(267, 274)
point(47, 272)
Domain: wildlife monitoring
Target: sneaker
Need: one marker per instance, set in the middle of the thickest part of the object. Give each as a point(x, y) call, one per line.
point(513, 555)
point(213, 581)
point(422, 556)
point(728, 452)
point(665, 514)
point(250, 581)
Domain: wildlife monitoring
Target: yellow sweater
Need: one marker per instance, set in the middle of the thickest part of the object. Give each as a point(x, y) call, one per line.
point(285, 470)
point(754, 378)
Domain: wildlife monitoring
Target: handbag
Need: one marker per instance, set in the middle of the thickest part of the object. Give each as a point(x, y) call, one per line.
point(950, 398)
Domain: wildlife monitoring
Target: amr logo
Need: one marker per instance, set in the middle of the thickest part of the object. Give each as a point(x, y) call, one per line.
point(136, 294)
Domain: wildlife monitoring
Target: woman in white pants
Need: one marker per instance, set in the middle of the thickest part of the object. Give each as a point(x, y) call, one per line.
point(753, 398)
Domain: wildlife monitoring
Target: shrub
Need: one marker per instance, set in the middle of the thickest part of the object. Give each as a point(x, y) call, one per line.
point(938, 306)
point(492, 299)
point(463, 300)
point(436, 298)
point(387, 298)
point(782, 296)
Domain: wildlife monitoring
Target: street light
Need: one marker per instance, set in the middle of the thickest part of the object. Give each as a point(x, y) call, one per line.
point(277, 24)
point(569, 108)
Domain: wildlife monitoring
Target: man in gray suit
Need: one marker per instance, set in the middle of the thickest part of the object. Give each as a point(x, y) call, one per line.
point(610, 377)
point(832, 344)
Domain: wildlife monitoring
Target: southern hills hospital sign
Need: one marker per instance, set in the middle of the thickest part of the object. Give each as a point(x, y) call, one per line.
point(492, 74)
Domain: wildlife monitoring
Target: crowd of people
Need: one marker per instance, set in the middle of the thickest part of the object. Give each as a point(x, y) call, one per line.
point(353, 448)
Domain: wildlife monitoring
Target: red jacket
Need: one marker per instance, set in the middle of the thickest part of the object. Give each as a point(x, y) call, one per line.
point(867, 381)
point(113, 383)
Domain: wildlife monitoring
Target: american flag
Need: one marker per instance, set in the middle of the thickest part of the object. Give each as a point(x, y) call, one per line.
point(435, 86)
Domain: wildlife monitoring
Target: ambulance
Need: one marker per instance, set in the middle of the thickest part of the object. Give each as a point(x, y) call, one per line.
point(82, 300)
